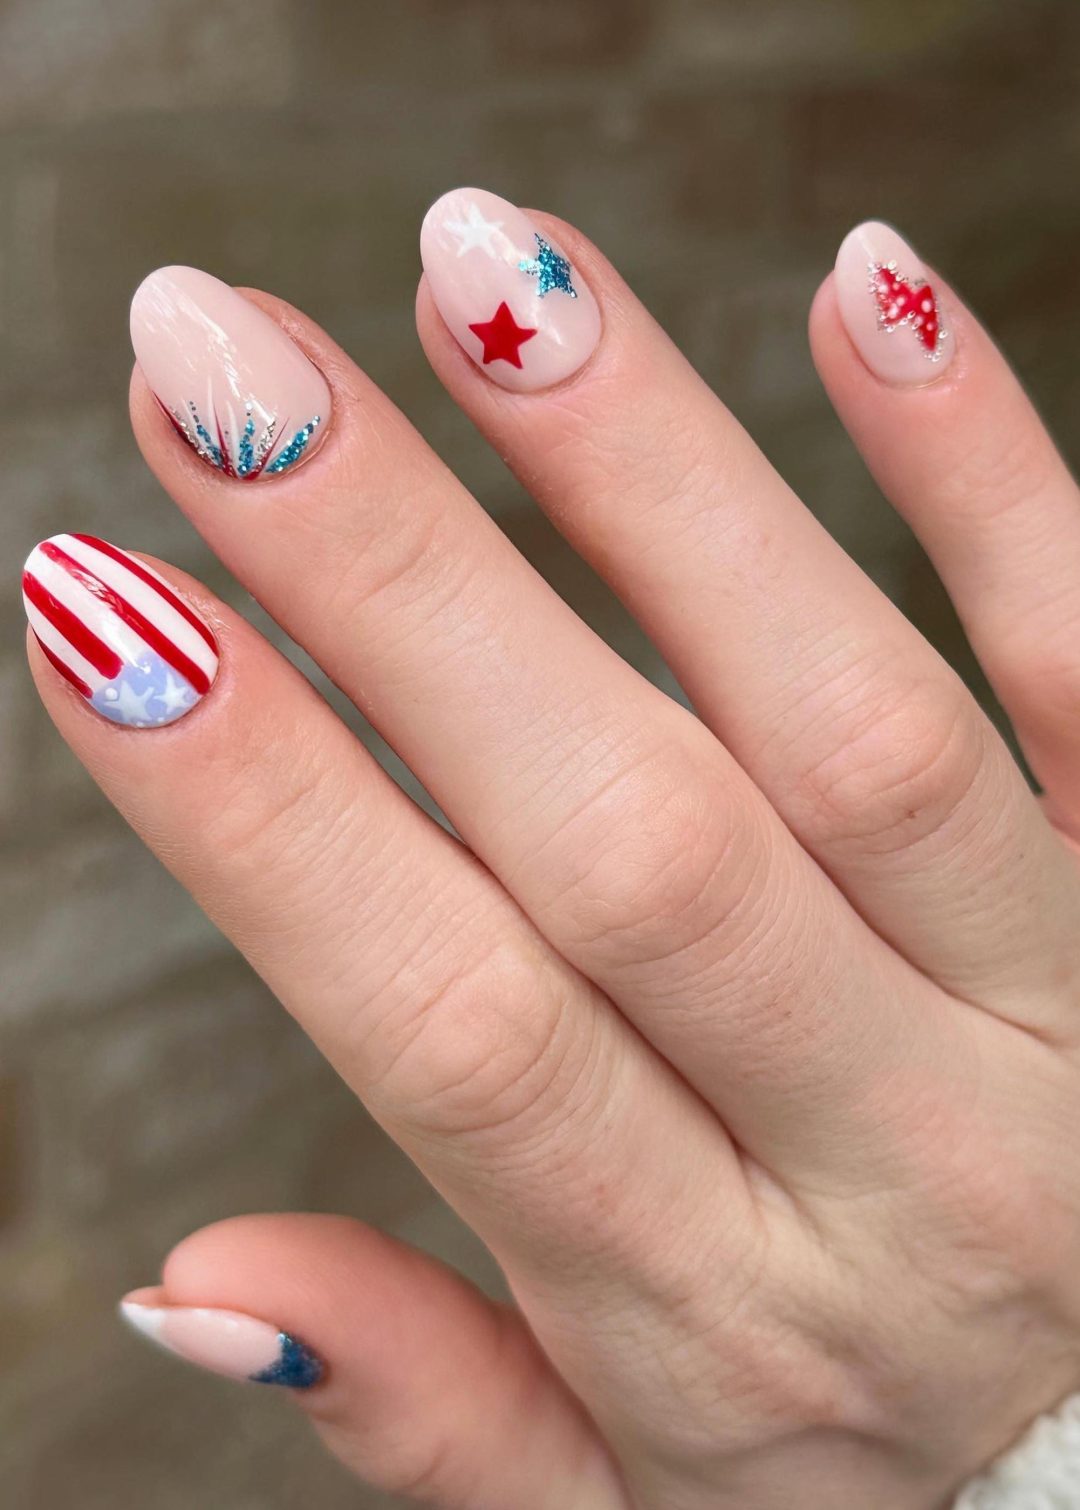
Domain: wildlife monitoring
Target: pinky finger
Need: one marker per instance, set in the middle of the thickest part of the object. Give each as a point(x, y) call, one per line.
point(958, 448)
point(417, 1382)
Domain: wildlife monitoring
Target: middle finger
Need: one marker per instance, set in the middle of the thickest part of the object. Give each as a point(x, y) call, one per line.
point(620, 824)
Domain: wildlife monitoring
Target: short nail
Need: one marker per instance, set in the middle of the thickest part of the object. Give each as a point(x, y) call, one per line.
point(225, 1342)
point(236, 388)
point(116, 630)
point(512, 299)
point(890, 307)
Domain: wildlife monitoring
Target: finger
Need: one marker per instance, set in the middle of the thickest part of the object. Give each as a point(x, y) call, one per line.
point(968, 463)
point(416, 1381)
point(630, 837)
point(479, 1049)
point(865, 742)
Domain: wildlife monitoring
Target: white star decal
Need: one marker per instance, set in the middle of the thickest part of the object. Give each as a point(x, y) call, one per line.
point(175, 695)
point(474, 231)
point(131, 705)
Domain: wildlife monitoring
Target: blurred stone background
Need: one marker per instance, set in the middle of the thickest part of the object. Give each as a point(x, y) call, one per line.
point(717, 150)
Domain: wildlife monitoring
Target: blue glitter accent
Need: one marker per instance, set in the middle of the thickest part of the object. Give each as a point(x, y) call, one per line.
point(210, 450)
point(552, 270)
point(146, 695)
point(295, 449)
point(296, 1368)
point(246, 450)
point(250, 461)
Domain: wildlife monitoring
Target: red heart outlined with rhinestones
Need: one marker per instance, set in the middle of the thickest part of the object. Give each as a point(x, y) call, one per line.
point(901, 302)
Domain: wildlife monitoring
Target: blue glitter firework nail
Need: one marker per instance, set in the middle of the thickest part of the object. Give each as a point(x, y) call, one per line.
point(296, 447)
point(552, 270)
point(253, 455)
point(297, 1368)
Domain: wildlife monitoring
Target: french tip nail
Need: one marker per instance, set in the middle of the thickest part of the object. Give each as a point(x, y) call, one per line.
point(231, 1343)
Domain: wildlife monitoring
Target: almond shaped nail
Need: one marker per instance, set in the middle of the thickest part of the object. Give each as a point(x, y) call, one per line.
point(224, 1342)
point(890, 308)
point(117, 632)
point(513, 301)
point(242, 395)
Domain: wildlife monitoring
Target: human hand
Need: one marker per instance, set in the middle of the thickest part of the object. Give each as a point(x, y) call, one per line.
point(748, 1042)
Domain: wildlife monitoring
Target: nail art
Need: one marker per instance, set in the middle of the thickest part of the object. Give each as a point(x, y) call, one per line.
point(116, 630)
point(510, 297)
point(224, 1342)
point(890, 308)
point(242, 395)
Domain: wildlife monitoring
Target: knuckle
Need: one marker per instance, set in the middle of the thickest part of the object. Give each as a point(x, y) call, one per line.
point(492, 1049)
point(984, 484)
point(661, 856)
point(268, 803)
point(998, 1223)
point(903, 772)
point(975, 1214)
point(411, 562)
point(676, 469)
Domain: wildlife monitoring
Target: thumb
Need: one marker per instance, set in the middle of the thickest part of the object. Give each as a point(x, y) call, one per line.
point(416, 1381)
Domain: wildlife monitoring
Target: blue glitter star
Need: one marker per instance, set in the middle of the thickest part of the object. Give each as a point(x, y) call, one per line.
point(552, 270)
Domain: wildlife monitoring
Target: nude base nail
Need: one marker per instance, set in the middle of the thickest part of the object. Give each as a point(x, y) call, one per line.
point(225, 1342)
point(233, 385)
point(512, 299)
point(891, 308)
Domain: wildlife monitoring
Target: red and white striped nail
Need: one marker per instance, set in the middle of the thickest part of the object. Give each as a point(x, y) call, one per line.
point(116, 630)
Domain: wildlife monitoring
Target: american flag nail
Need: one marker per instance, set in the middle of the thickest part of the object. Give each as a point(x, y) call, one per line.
point(116, 630)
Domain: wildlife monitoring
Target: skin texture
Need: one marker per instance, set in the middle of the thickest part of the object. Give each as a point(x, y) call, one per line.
point(747, 1039)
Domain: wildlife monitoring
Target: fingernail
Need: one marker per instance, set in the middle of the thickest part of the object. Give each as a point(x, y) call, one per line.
point(890, 308)
point(513, 301)
point(241, 394)
point(116, 630)
point(225, 1342)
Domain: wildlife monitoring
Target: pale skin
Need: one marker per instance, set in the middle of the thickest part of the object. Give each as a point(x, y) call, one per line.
point(749, 1039)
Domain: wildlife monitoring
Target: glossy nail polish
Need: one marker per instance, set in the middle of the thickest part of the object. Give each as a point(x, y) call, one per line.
point(116, 630)
point(225, 1342)
point(890, 307)
point(242, 395)
point(513, 301)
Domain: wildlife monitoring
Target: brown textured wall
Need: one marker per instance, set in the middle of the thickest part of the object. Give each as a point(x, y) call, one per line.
point(717, 150)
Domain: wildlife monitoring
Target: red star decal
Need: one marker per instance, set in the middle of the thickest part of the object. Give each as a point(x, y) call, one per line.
point(502, 336)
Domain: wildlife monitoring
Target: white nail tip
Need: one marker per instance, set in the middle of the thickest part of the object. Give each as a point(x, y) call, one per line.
point(226, 1342)
point(145, 1319)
